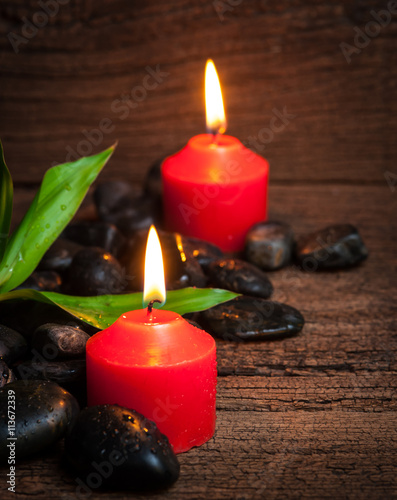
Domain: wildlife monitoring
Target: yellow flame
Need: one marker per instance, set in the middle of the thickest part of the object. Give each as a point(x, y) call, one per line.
point(154, 287)
point(215, 112)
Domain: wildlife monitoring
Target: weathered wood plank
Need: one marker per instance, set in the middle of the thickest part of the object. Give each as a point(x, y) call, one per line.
point(374, 392)
point(65, 79)
point(293, 454)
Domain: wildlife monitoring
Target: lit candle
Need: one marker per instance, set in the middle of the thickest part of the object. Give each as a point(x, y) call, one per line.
point(155, 362)
point(215, 188)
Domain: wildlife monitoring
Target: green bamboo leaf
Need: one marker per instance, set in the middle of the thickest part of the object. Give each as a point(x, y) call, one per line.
point(6, 192)
point(60, 195)
point(103, 310)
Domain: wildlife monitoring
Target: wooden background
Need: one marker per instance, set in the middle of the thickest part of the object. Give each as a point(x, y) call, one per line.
point(268, 54)
point(309, 417)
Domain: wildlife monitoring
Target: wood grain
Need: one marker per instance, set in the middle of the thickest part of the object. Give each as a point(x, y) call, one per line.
point(293, 454)
point(269, 56)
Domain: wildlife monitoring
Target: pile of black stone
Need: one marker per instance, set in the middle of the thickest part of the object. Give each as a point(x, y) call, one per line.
point(43, 346)
point(105, 256)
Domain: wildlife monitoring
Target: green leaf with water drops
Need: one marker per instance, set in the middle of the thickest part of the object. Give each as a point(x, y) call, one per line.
point(103, 310)
point(6, 192)
point(60, 195)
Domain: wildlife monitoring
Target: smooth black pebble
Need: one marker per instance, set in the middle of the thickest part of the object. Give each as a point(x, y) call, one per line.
point(240, 277)
point(95, 234)
point(63, 341)
point(334, 247)
point(131, 448)
point(59, 256)
point(153, 184)
point(203, 251)
point(109, 196)
point(12, 344)
point(27, 315)
point(269, 245)
point(42, 281)
point(95, 272)
point(119, 204)
point(62, 372)
point(6, 374)
point(43, 412)
point(251, 318)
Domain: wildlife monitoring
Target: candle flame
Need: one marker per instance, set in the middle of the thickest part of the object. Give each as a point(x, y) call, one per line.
point(154, 286)
point(215, 112)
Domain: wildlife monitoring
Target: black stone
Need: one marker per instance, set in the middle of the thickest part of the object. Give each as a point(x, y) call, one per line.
point(95, 272)
point(6, 374)
point(250, 318)
point(129, 210)
point(59, 256)
point(43, 281)
point(43, 412)
point(139, 213)
point(95, 234)
point(109, 196)
point(62, 372)
point(12, 345)
point(334, 247)
point(203, 251)
point(62, 341)
point(269, 245)
point(152, 184)
point(25, 316)
point(181, 269)
point(142, 457)
point(240, 277)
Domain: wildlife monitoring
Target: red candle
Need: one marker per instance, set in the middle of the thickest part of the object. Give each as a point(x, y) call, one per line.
point(155, 362)
point(215, 188)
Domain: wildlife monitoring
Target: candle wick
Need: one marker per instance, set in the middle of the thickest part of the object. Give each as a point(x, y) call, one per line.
point(215, 138)
point(150, 305)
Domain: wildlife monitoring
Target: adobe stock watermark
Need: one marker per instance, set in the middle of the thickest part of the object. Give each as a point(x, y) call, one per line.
point(279, 121)
point(40, 19)
point(121, 108)
point(201, 197)
point(222, 7)
point(101, 471)
point(371, 30)
point(11, 438)
point(391, 179)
